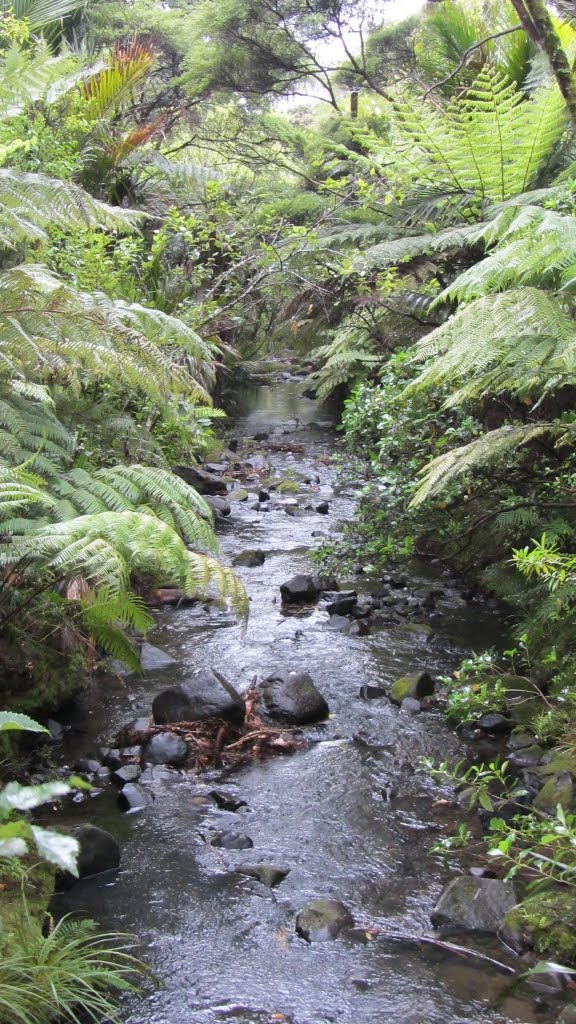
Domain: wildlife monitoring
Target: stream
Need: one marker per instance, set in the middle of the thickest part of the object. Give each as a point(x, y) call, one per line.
point(223, 946)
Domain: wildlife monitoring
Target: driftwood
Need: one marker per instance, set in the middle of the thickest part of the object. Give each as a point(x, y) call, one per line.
point(213, 742)
point(429, 940)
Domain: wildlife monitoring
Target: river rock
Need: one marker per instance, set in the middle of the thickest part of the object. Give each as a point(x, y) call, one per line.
point(526, 757)
point(417, 686)
point(238, 494)
point(200, 479)
point(495, 723)
point(292, 697)
point(343, 604)
point(165, 748)
point(323, 508)
point(268, 874)
point(251, 558)
point(99, 851)
point(133, 797)
point(338, 623)
point(474, 904)
point(128, 773)
point(152, 659)
point(559, 789)
point(231, 841)
point(218, 504)
point(299, 590)
point(193, 701)
point(322, 920)
point(410, 706)
point(227, 801)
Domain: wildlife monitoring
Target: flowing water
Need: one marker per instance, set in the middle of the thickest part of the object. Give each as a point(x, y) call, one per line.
point(223, 946)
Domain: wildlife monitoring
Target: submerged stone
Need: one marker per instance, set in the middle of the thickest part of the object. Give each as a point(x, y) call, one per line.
point(322, 920)
point(474, 904)
point(268, 874)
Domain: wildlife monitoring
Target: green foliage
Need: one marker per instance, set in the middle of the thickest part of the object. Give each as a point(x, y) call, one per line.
point(475, 689)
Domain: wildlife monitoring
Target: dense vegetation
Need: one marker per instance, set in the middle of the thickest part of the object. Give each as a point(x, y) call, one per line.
point(188, 186)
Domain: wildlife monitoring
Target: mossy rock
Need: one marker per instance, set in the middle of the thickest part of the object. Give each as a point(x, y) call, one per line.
point(558, 789)
point(417, 686)
point(523, 699)
point(547, 920)
point(239, 494)
point(561, 762)
point(288, 487)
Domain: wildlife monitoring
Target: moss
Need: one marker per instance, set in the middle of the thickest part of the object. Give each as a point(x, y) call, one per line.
point(52, 680)
point(550, 919)
point(288, 487)
point(24, 895)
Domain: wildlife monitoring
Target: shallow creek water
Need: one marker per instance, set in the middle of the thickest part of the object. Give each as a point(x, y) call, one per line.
point(223, 947)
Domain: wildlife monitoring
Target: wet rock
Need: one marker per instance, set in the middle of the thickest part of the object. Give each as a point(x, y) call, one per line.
point(322, 920)
point(522, 698)
point(410, 706)
point(136, 728)
point(495, 723)
point(227, 801)
point(238, 494)
point(219, 505)
point(55, 729)
point(262, 435)
point(128, 773)
point(87, 765)
point(200, 479)
point(157, 773)
point(300, 590)
point(165, 748)
point(99, 850)
point(268, 874)
point(251, 558)
point(343, 604)
point(111, 757)
point(323, 508)
point(133, 797)
point(559, 789)
point(193, 701)
point(263, 494)
point(368, 692)
point(518, 740)
point(216, 467)
point(231, 841)
point(526, 757)
point(418, 685)
point(152, 659)
point(292, 697)
point(338, 623)
point(550, 983)
point(135, 750)
point(323, 582)
point(474, 904)
point(357, 628)
point(257, 463)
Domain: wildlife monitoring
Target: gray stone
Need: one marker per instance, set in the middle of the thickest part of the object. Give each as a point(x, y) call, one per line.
point(133, 797)
point(198, 699)
point(343, 604)
point(231, 841)
point(219, 505)
point(323, 508)
point(338, 623)
point(203, 482)
point(526, 757)
point(129, 773)
point(558, 789)
point(494, 722)
point(474, 904)
point(111, 757)
point(251, 558)
point(99, 851)
point(410, 706)
point(322, 920)
point(368, 692)
point(87, 765)
point(152, 659)
point(165, 748)
point(269, 874)
point(292, 697)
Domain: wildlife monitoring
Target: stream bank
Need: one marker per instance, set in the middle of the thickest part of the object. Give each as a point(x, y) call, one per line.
point(348, 815)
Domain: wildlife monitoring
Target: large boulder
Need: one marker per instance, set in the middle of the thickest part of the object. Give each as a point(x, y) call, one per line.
point(322, 920)
point(200, 698)
point(99, 851)
point(292, 698)
point(300, 590)
point(417, 686)
point(474, 904)
point(202, 481)
point(165, 748)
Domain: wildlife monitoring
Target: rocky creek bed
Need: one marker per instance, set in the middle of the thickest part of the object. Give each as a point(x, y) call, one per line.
point(274, 887)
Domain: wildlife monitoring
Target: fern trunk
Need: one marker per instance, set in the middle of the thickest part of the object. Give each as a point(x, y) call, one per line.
point(539, 27)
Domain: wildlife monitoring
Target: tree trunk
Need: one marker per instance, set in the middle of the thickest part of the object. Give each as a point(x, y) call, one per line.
point(538, 26)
